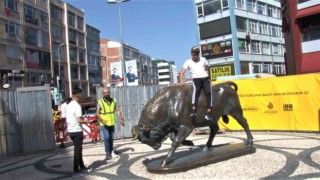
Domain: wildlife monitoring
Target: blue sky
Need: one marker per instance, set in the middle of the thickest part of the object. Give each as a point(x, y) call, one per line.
point(164, 29)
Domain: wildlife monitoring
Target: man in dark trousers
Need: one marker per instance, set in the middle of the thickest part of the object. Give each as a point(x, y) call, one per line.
point(198, 67)
point(73, 114)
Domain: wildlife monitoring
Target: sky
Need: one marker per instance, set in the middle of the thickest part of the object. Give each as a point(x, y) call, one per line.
point(162, 29)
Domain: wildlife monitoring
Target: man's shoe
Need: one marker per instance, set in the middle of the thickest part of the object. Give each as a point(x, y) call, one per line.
point(78, 174)
point(193, 114)
point(114, 155)
point(108, 157)
point(86, 170)
point(208, 116)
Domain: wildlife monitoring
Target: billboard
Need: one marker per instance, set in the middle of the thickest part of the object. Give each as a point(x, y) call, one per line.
point(115, 73)
point(217, 49)
point(131, 73)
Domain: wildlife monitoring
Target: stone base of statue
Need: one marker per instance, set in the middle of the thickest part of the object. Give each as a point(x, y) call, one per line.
point(190, 159)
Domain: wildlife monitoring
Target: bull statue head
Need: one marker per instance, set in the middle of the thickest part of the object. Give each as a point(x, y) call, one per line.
point(153, 136)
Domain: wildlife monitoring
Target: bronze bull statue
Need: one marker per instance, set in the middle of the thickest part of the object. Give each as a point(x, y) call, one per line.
point(168, 113)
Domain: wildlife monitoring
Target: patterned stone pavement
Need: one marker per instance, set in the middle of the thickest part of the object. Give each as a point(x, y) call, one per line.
point(278, 156)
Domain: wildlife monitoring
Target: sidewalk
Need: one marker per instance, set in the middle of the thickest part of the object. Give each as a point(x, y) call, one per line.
point(277, 156)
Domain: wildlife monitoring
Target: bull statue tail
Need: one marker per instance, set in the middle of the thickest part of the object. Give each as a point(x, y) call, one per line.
point(230, 83)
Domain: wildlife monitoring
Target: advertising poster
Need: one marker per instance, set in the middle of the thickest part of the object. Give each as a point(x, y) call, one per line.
point(131, 73)
point(220, 71)
point(288, 103)
point(116, 73)
point(32, 58)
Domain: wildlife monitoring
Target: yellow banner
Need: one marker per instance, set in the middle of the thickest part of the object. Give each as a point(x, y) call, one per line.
point(289, 103)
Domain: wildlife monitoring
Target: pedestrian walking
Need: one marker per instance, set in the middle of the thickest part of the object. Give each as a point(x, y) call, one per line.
point(107, 107)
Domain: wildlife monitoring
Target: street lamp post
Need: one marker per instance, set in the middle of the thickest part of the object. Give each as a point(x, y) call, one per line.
point(59, 76)
point(121, 34)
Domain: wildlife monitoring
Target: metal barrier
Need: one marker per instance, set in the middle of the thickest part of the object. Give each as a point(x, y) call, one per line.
point(61, 132)
point(90, 131)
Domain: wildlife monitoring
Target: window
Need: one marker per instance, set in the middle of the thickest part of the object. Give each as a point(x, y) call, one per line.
point(71, 19)
point(73, 54)
point(80, 39)
point(81, 55)
point(30, 14)
point(98, 60)
point(302, 1)
point(265, 48)
point(91, 59)
point(74, 71)
point(255, 47)
point(56, 12)
point(45, 39)
point(274, 12)
point(135, 55)
point(13, 52)
point(263, 28)
point(276, 48)
point(80, 23)
point(241, 23)
point(12, 29)
point(211, 7)
point(57, 32)
point(200, 11)
point(31, 36)
point(11, 4)
point(251, 5)
point(83, 72)
point(210, 30)
point(310, 28)
point(44, 18)
point(84, 89)
point(261, 8)
point(242, 46)
point(72, 36)
point(126, 52)
point(253, 26)
point(239, 4)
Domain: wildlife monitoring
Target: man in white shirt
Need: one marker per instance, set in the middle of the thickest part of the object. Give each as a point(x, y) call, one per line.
point(198, 68)
point(73, 114)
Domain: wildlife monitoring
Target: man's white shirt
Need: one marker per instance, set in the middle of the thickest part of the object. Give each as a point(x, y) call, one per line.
point(63, 110)
point(73, 111)
point(197, 69)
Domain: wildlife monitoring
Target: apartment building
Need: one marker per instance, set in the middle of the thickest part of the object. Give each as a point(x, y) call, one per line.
point(167, 72)
point(94, 59)
point(241, 36)
point(25, 42)
point(301, 28)
point(43, 42)
point(113, 52)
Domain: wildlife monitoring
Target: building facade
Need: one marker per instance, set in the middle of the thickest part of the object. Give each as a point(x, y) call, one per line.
point(301, 28)
point(241, 36)
point(25, 43)
point(167, 72)
point(44, 42)
point(113, 52)
point(94, 59)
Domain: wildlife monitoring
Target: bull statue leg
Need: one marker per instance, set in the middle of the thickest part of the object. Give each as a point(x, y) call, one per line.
point(244, 123)
point(213, 131)
point(182, 133)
